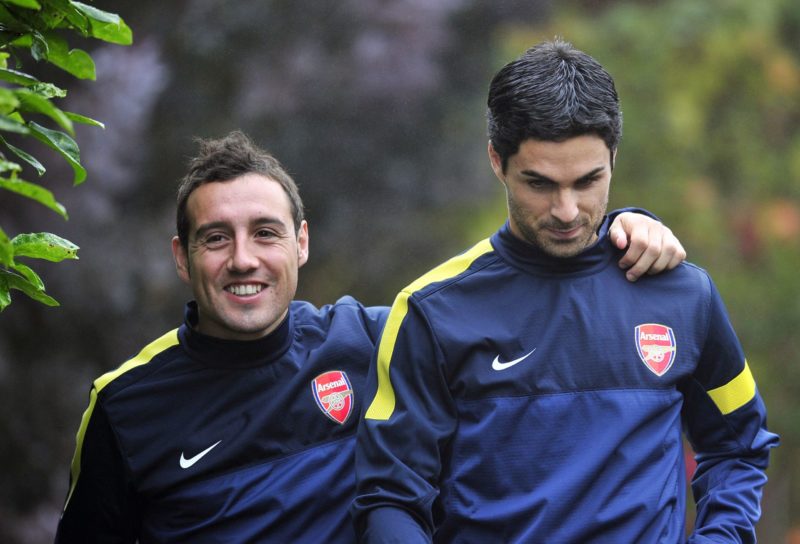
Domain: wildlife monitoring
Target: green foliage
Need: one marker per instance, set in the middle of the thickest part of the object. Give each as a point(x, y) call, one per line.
point(39, 27)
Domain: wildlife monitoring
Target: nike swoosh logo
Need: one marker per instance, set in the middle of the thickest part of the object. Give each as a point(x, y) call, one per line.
point(186, 463)
point(497, 365)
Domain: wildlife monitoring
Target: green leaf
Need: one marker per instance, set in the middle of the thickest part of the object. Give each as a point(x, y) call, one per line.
point(54, 49)
point(19, 78)
point(65, 146)
point(40, 48)
point(6, 249)
point(78, 118)
point(97, 14)
point(68, 16)
point(25, 40)
point(44, 245)
point(14, 281)
point(48, 90)
point(11, 24)
point(30, 159)
point(5, 296)
point(34, 102)
point(51, 16)
point(106, 26)
point(75, 61)
point(8, 101)
point(8, 166)
point(34, 192)
point(28, 273)
point(30, 4)
point(9, 124)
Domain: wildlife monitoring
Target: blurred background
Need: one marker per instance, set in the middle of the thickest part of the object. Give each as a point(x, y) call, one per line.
point(377, 108)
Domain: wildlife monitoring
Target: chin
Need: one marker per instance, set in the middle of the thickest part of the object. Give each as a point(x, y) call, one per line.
point(563, 250)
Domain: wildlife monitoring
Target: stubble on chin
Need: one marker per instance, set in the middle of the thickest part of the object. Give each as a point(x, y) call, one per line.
point(537, 236)
point(536, 232)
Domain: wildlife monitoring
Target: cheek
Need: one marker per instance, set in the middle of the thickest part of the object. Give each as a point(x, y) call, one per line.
point(595, 200)
point(282, 261)
point(203, 269)
point(531, 203)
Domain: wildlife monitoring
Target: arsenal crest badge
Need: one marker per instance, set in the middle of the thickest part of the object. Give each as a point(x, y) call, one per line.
point(334, 395)
point(655, 345)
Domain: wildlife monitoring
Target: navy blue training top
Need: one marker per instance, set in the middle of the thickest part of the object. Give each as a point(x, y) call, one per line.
point(519, 397)
point(198, 439)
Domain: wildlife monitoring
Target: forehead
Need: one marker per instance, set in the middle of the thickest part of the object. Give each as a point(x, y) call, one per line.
point(564, 160)
point(238, 200)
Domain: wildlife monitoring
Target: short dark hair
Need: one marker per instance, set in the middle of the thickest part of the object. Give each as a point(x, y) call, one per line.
point(552, 92)
point(226, 159)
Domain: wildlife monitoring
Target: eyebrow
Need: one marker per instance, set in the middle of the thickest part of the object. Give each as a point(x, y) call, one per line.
point(586, 177)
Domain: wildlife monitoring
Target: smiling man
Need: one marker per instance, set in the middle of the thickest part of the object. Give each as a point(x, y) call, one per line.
point(239, 425)
point(524, 392)
point(243, 256)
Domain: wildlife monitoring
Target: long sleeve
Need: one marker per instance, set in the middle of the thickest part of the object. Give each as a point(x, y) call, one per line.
point(100, 506)
point(405, 429)
point(726, 424)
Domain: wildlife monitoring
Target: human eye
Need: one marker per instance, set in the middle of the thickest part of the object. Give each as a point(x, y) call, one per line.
point(539, 184)
point(214, 240)
point(265, 234)
point(585, 183)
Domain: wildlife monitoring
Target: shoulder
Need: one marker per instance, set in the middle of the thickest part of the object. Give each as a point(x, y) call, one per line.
point(456, 269)
point(688, 277)
point(345, 318)
point(152, 355)
point(346, 308)
point(687, 287)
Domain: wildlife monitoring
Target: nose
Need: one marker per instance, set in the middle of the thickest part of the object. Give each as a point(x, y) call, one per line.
point(564, 206)
point(242, 258)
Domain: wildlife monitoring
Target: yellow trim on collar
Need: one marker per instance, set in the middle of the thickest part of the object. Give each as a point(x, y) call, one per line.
point(383, 404)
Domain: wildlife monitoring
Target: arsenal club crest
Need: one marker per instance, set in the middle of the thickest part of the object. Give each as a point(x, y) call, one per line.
point(334, 395)
point(655, 345)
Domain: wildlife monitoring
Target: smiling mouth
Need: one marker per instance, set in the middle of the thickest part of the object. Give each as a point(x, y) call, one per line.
point(243, 290)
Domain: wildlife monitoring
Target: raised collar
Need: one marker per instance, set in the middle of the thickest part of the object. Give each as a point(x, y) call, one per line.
point(218, 352)
point(532, 259)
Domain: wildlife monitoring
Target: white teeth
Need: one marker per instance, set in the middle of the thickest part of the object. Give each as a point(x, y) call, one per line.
point(241, 290)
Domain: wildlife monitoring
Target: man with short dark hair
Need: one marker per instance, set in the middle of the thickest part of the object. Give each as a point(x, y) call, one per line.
point(239, 425)
point(523, 391)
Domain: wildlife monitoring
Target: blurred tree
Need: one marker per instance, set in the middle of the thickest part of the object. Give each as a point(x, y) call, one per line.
point(37, 27)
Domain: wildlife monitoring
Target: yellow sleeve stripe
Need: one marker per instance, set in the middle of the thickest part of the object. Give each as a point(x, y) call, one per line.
point(736, 393)
point(382, 405)
point(144, 356)
point(150, 350)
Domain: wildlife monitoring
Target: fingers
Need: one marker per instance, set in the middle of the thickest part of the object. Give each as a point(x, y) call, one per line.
point(617, 233)
point(643, 252)
point(652, 247)
point(672, 253)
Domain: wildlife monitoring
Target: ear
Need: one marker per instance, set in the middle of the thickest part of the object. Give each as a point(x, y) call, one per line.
point(302, 244)
point(497, 164)
point(181, 257)
point(613, 158)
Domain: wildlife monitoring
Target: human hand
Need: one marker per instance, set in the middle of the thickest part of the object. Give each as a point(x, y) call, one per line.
point(652, 248)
